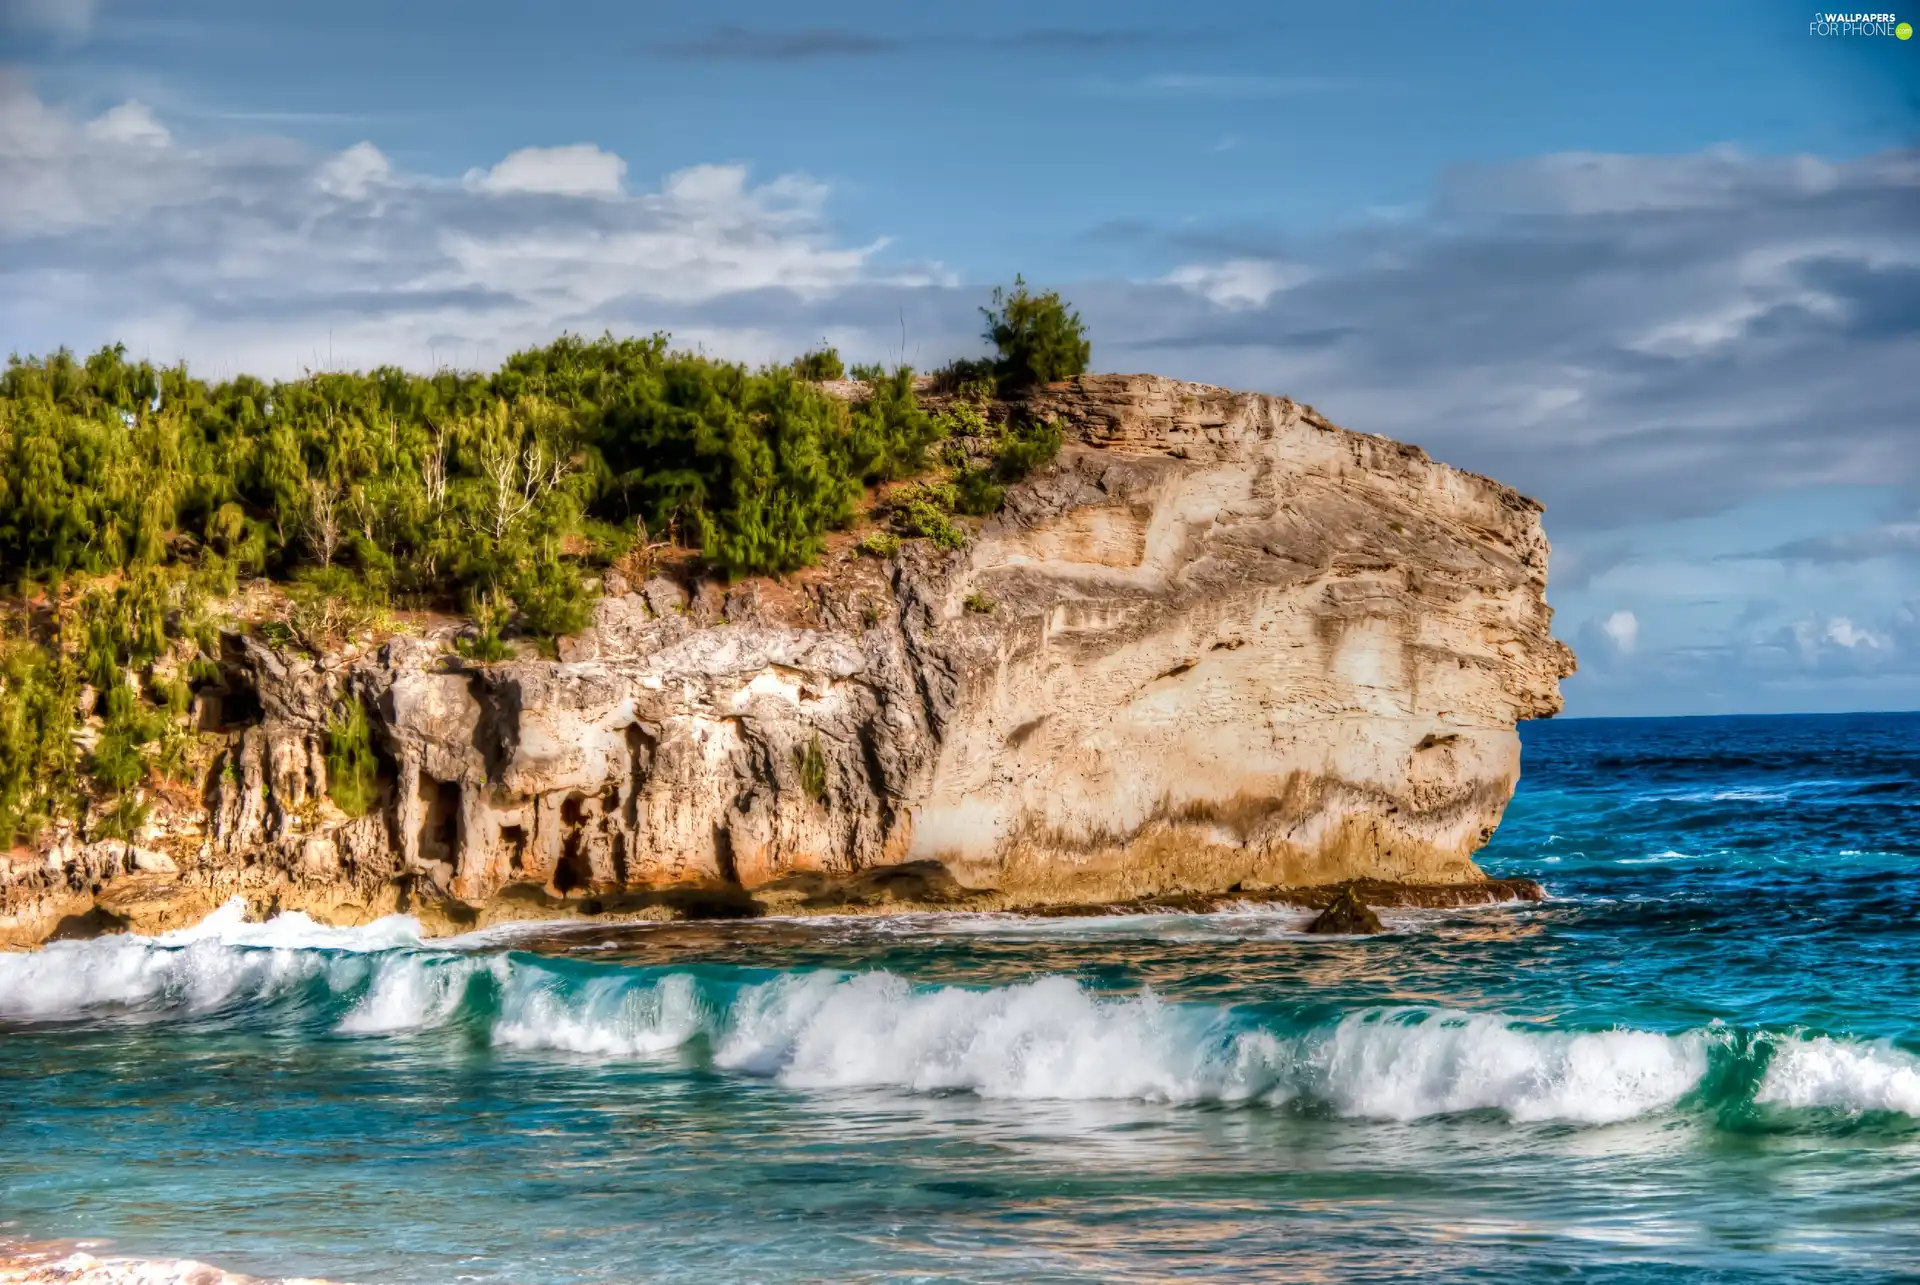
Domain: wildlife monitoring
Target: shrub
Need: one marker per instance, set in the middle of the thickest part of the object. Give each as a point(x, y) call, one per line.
point(491, 612)
point(979, 603)
point(352, 771)
point(1039, 340)
point(971, 378)
point(890, 432)
point(38, 694)
point(551, 598)
point(812, 764)
point(1024, 449)
point(924, 518)
point(879, 544)
point(976, 493)
point(925, 510)
point(819, 363)
point(121, 821)
point(116, 762)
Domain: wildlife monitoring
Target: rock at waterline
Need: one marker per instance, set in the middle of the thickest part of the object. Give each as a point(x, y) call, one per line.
point(1348, 916)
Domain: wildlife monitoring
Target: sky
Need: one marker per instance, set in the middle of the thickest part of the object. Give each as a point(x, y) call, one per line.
point(1657, 265)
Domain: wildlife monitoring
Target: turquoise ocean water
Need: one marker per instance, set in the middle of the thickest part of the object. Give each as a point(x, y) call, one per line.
point(1699, 1061)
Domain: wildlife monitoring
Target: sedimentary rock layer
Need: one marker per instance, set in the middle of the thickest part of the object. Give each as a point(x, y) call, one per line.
point(1219, 643)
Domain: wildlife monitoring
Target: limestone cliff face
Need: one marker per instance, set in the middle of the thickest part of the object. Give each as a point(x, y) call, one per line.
point(1218, 642)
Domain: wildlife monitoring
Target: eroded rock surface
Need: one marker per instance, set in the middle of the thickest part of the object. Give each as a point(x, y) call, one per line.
point(1219, 643)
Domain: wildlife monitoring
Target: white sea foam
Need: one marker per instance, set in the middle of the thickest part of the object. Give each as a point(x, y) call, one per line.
point(1048, 1038)
point(1841, 1074)
point(292, 931)
point(221, 960)
point(1406, 1064)
point(1052, 1038)
point(72, 979)
point(607, 1015)
point(413, 992)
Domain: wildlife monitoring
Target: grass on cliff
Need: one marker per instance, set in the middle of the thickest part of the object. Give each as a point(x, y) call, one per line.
point(352, 771)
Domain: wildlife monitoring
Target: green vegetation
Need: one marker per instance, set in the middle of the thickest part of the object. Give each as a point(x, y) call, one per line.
point(38, 766)
point(352, 772)
point(979, 603)
point(426, 490)
point(1038, 338)
point(121, 651)
point(812, 764)
point(925, 510)
point(820, 363)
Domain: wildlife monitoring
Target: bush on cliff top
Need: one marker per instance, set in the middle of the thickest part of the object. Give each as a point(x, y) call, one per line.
point(1038, 337)
point(430, 489)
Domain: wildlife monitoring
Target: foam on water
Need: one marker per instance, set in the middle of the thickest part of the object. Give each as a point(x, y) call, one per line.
point(291, 931)
point(1053, 1038)
point(1049, 1038)
point(1841, 1075)
point(219, 961)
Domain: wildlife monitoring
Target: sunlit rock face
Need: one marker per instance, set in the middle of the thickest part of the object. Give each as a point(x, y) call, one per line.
point(1218, 642)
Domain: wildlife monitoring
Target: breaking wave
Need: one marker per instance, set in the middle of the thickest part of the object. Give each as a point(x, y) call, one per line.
point(1050, 1038)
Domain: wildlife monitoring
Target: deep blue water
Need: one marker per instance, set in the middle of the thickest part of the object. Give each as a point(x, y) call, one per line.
point(1700, 1061)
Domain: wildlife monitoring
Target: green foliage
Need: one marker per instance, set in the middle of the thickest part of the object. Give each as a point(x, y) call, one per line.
point(969, 378)
point(490, 612)
point(812, 763)
point(879, 544)
point(925, 510)
point(423, 489)
point(121, 821)
point(891, 433)
point(551, 598)
point(819, 363)
point(116, 761)
point(1039, 340)
point(1025, 448)
point(975, 491)
point(352, 771)
point(979, 603)
point(38, 695)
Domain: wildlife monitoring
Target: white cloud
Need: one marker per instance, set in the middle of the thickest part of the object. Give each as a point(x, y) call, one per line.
point(354, 174)
point(579, 169)
point(261, 255)
point(1844, 633)
point(132, 123)
point(1238, 283)
point(1623, 629)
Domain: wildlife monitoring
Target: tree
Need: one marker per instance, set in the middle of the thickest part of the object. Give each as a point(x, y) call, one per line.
point(1039, 340)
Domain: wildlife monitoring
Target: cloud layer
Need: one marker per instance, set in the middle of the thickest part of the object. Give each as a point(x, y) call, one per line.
point(259, 254)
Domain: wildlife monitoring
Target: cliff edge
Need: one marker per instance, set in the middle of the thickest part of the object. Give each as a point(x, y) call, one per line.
point(1219, 643)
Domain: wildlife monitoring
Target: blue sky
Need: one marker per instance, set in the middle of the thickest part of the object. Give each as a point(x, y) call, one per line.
point(1657, 265)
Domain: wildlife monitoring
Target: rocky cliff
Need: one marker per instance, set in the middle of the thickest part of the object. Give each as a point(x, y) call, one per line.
point(1218, 643)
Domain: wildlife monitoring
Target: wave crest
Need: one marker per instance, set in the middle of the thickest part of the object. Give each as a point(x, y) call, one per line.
point(1049, 1038)
point(1841, 1075)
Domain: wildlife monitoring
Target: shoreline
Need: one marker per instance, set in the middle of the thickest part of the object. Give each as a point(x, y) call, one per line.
point(912, 888)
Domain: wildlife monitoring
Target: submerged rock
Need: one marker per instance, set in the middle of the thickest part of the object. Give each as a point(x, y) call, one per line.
point(1348, 916)
point(1230, 645)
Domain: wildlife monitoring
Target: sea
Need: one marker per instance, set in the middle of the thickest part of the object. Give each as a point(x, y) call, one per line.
point(1697, 1060)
